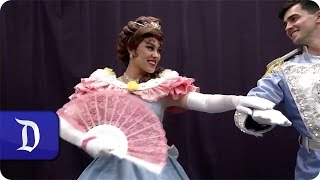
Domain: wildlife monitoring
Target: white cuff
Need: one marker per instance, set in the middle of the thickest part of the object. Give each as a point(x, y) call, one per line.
point(240, 120)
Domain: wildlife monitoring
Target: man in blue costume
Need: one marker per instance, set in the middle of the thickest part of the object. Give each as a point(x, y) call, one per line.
point(294, 80)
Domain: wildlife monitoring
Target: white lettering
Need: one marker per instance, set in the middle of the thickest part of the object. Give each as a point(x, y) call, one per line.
point(24, 134)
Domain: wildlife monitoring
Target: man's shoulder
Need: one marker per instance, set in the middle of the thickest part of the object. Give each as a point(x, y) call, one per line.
point(285, 57)
point(277, 63)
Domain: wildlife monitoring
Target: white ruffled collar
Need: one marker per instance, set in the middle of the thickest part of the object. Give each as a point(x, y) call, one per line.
point(107, 75)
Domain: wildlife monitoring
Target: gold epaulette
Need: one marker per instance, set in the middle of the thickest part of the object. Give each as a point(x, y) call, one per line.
point(277, 63)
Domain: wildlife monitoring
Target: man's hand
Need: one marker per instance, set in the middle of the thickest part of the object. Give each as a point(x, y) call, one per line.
point(270, 117)
point(244, 104)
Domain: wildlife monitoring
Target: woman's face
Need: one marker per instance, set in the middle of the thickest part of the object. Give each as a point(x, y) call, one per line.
point(148, 55)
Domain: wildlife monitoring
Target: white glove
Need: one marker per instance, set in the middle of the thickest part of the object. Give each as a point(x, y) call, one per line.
point(217, 103)
point(95, 147)
point(245, 103)
point(270, 117)
point(69, 133)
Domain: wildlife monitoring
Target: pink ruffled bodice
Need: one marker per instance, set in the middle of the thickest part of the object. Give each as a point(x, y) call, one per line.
point(168, 84)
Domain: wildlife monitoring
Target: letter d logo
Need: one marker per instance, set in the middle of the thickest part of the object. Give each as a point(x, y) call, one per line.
point(29, 135)
point(24, 134)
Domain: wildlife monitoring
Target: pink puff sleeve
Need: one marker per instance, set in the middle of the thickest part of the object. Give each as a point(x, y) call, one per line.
point(170, 84)
point(98, 80)
point(179, 88)
point(182, 86)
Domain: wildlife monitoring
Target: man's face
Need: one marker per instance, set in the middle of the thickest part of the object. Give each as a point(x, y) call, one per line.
point(299, 25)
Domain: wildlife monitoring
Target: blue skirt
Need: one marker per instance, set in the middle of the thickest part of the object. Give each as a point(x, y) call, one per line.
point(308, 164)
point(112, 167)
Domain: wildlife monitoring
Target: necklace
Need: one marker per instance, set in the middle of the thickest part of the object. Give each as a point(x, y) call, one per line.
point(126, 78)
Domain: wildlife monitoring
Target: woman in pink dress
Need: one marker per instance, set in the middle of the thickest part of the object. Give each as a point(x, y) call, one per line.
point(139, 48)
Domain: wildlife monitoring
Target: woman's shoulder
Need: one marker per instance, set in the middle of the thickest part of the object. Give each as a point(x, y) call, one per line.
point(100, 79)
point(169, 73)
point(102, 73)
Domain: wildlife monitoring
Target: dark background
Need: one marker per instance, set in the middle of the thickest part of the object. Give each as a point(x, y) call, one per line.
point(47, 46)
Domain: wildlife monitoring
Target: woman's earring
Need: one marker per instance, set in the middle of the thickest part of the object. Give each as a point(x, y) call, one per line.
point(132, 55)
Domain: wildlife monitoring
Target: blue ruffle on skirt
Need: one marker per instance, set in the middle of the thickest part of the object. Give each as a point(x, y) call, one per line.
point(111, 167)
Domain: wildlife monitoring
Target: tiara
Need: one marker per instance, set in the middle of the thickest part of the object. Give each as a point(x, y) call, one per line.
point(150, 25)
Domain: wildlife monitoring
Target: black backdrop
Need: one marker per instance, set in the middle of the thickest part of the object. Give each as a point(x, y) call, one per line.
point(47, 46)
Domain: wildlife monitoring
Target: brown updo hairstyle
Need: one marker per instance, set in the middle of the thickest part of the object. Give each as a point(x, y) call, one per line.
point(132, 35)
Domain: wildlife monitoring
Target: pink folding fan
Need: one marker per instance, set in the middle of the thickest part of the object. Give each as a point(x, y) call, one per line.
point(123, 119)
